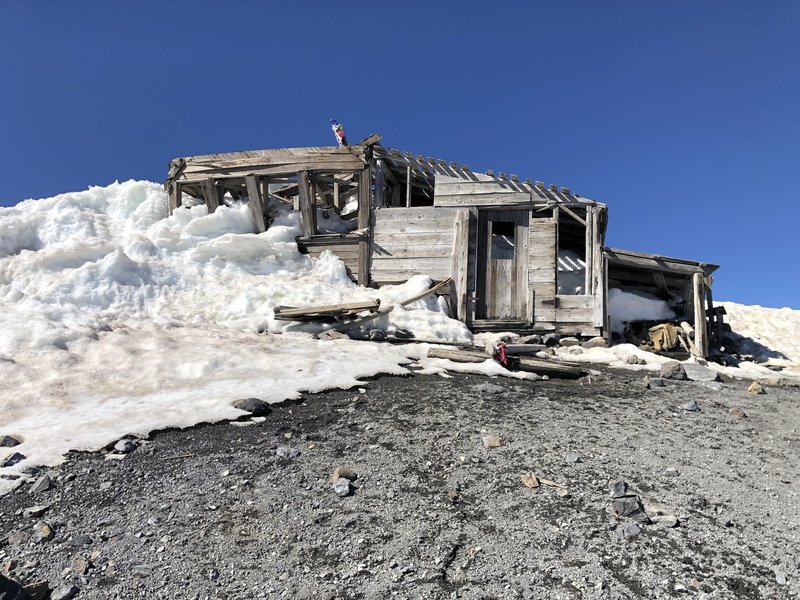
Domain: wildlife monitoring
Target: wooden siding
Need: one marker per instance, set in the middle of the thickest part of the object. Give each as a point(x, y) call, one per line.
point(411, 241)
point(542, 256)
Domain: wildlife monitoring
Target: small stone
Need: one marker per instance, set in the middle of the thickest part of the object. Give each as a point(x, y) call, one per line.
point(630, 531)
point(342, 487)
point(780, 577)
point(550, 339)
point(619, 488)
point(695, 372)
point(79, 540)
point(13, 459)
point(340, 472)
point(666, 520)
point(125, 446)
point(453, 496)
point(42, 532)
point(573, 457)
point(64, 592)
point(737, 413)
point(632, 360)
point(8, 566)
point(673, 370)
point(490, 388)
point(654, 382)
point(143, 570)
point(34, 512)
point(595, 342)
point(569, 341)
point(18, 538)
point(42, 485)
point(531, 339)
point(691, 406)
point(81, 565)
point(627, 506)
point(492, 440)
point(287, 452)
point(7, 441)
point(530, 480)
point(715, 386)
point(255, 406)
point(670, 472)
point(756, 388)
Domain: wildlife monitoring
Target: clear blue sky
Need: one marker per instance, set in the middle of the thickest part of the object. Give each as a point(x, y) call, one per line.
point(683, 117)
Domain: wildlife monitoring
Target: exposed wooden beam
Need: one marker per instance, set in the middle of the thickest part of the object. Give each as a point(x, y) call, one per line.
point(307, 208)
point(255, 203)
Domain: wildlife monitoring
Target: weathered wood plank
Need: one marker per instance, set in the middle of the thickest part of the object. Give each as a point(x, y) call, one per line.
point(438, 251)
point(700, 324)
point(512, 198)
point(307, 207)
point(542, 267)
point(416, 213)
point(364, 220)
point(255, 203)
point(460, 261)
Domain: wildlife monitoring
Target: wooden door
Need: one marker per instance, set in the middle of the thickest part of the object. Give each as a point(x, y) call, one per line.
point(502, 265)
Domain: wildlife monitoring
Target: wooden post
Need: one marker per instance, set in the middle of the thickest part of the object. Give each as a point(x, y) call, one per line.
point(336, 202)
point(175, 196)
point(408, 186)
point(211, 195)
point(700, 325)
point(307, 207)
point(364, 203)
point(587, 280)
point(380, 184)
point(255, 202)
point(460, 259)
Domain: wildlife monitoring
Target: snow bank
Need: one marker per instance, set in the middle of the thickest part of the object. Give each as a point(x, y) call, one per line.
point(117, 318)
point(774, 330)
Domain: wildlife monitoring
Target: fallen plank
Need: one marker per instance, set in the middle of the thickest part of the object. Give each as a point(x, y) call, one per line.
point(551, 368)
point(287, 313)
point(439, 286)
point(524, 348)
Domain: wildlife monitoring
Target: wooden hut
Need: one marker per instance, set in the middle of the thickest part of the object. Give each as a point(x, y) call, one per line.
point(522, 256)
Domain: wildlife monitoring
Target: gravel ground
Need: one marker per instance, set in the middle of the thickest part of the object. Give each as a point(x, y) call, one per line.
point(232, 510)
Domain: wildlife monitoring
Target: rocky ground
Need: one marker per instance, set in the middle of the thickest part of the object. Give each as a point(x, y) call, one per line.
point(462, 487)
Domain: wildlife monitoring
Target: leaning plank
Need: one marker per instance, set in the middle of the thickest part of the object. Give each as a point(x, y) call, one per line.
point(439, 286)
point(256, 203)
point(288, 312)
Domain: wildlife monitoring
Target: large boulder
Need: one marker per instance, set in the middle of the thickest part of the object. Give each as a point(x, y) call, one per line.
point(673, 370)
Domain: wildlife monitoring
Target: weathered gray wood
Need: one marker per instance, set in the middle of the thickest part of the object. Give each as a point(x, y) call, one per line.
point(588, 252)
point(380, 251)
point(175, 196)
point(307, 207)
point(520, 199)
point(292, 312)
point(380, 184)
point(408, 186)
point(572, 214)
point(542, 268)
point(255, 203)
point(460, 260)
point(364, 203)
point(415, 213)
point(499, 288)
point(522, 295)
point(551, 368)
point(700, 325)
point(211, 195)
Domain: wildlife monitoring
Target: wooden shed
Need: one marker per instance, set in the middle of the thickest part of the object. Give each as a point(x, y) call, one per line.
point(522, 256)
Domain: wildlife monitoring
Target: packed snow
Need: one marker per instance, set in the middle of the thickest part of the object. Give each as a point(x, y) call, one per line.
point(119, 319)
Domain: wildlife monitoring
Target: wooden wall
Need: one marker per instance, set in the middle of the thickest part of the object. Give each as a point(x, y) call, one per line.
point(410, 241)
point(484, 190)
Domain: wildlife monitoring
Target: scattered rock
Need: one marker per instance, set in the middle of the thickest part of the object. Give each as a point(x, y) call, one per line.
point(8, 566)
point(79, 540)
point(125, 446)
point(737, 413)
point(64, 592)
point(573, 457)
point(13, 459)
point(695, 372)
point(531, 339)
point(11, 590)
point(255, 406)
point(654, 382)
point(595, 342)
point(34, 512)
point(665, 520)
point(630, 507)
point(670, 472)
point(143, 570)
point(630, 531)
point(756, 388)
point(42, 485)
point(569, 341)
point(81, 565)
point(36, 591)
point(780, 577)
point(490, 388)
point(18, 538)
point(673, 370)
point(453, 496)
point(492, 440)
point(691, 406)
point(713, 385)
point(42, 532)
point(7, 441)
point(619, 488)
point(550, 339)
point(342, 487)
point(343, 472)
point(287, 452)
point(530, 480)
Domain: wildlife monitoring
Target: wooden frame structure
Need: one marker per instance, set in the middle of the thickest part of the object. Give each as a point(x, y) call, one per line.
point(507, 244)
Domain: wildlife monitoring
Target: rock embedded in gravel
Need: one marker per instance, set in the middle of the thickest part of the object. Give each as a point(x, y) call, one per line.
point(287, 452)
point(671, 472)
point(81, 565)
point(654, 382)
point(8, 441)
point(18, 538)
point(79, 540)
point(673, 370)
point(573, 458)
point(756, 388)
point(345, 472)
point(64, 592)
point(125, 446)
point(691, 406)
point(42, 485)
point(490, 388)
point(13, 459)
point(34, 512)
point(737, 413)
point(780, 577)
point(619, 488)
point(715, 386)
point(630, 507)
point(492, 440)
point(342, 487)
point(255, 406)
point(695, 372)
point(42, 532)
point(630, 531)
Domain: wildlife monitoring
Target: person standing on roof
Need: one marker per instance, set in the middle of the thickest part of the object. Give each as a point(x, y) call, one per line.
point(338, 131)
